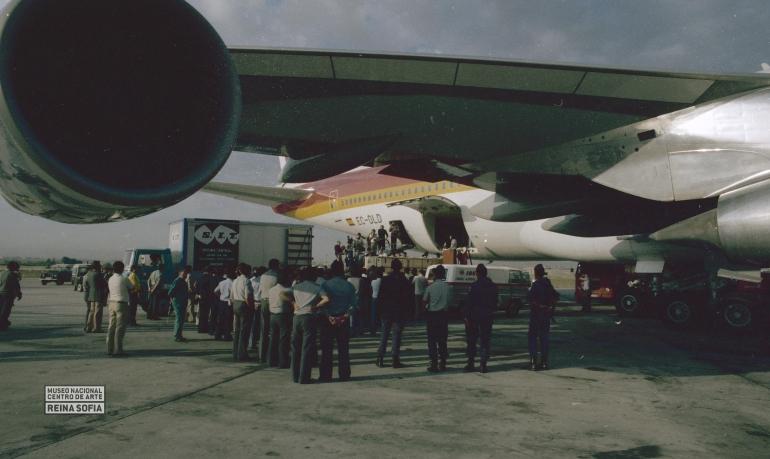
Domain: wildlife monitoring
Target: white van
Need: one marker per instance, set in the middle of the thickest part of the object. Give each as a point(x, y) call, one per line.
point(512, 285)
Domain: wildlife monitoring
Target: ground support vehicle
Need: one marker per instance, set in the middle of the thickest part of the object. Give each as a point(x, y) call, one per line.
point(683, 294)
point(512, 286)
point(225, 243)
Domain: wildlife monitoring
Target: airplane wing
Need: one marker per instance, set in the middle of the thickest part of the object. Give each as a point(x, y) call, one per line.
point(550, 139)
point(265, 195)
point(309, 104)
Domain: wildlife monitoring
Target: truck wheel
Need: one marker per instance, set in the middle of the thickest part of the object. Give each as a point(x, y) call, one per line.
point(43, 282)
point(737, 313)
point(678, 312)
point(629, 303)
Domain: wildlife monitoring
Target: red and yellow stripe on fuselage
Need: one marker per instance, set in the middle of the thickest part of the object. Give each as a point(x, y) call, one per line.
point(361, 188)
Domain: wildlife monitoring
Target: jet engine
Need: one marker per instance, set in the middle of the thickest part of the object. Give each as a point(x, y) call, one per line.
point(739, 226)
point(111, 109)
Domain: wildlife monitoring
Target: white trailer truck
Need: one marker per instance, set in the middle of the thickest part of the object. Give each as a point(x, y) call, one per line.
point(203, 242)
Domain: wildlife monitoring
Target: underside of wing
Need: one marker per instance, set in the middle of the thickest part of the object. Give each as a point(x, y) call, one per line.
point(310, 104)
point(265, 195)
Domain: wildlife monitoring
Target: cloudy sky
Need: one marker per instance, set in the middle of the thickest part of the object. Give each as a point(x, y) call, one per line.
point(710, 36)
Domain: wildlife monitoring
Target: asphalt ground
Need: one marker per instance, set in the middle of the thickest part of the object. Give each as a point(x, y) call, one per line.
point(617, 389)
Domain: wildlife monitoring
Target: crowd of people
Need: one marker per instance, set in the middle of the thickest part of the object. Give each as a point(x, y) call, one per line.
point(392, 241)
point(285, 315)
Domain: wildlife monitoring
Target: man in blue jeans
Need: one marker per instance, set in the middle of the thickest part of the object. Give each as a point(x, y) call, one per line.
point(180, 294)
point(542, 296)
point(338, 302)
point(395, 304)
point(479, 310)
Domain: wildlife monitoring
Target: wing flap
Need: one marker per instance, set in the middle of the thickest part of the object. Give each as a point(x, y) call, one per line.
point(265, 195)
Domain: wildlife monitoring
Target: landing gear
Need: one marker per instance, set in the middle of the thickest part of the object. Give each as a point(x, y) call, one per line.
point(678, 312)
point(738, 313)
point(629, 303)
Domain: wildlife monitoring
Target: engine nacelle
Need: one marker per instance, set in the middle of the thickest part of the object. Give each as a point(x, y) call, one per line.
point(111, 109)
point(739, 226)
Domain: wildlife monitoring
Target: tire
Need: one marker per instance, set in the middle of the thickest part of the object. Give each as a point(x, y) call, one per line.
point(678, 312)
point(629, 303)
point(43, 282)
point(738, 313)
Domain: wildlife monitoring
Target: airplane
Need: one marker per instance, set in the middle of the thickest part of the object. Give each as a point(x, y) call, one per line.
point(531, 160)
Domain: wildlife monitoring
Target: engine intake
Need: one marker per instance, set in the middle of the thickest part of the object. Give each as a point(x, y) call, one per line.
point(111, 109)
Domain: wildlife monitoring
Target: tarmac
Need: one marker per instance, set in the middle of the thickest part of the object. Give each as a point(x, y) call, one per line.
point(626, 388)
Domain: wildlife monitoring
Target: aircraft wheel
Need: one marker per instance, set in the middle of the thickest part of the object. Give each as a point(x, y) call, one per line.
point(678, 312)
point(738, 313)
point(629, 303)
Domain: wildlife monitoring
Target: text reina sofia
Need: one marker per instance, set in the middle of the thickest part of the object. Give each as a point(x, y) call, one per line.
point(74, 400)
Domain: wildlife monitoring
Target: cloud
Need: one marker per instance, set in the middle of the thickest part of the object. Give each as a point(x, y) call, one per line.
point(703, 35)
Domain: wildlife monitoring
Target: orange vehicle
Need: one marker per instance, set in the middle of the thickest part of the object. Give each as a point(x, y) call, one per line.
point(598, 282)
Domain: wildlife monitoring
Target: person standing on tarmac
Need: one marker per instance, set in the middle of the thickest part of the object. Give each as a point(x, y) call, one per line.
point(376, 280)
point(94, 288)
point(420, 284)
point(242, 299)
point(255, 326)
point(180, 295)
point(394, 303)
point(305, 296)
point(542, 297)
point(118, 298)
point(224, 311)
point(156, 289)
point(480, 308)
point(10, 290)
point(338, 302)
point(266, 282)
point(280, 322)
point(133, 294)
point(436, 299)
point(204, 288)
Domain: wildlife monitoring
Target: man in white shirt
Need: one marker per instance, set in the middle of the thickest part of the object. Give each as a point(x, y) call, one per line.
point(242, 299)
point(420, 284)
point(436, 300)
point(117, 301)
point(280, 322)
point(254, 326)
point(375, 320)
point(224, 312)
point(266, 282)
